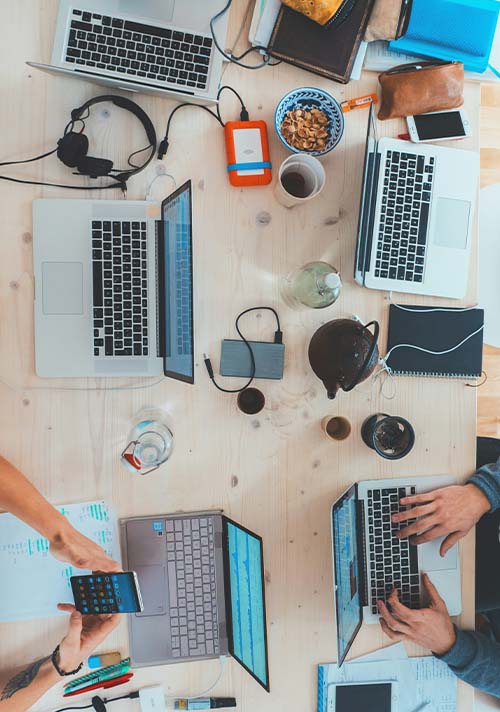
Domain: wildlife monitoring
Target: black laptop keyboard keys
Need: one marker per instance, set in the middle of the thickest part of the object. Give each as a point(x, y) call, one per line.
point(142, 53)
point(120, 288)
point(393, 562)
point(404, 218)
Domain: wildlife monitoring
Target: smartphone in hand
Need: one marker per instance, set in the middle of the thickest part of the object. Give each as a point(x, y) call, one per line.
point(107, 593)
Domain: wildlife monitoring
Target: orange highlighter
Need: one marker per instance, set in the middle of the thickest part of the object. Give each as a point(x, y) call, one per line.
point(358, 103)
point(247, 150)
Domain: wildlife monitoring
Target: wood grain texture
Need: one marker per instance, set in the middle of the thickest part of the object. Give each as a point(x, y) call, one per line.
point(489, 393)
point(275, 473)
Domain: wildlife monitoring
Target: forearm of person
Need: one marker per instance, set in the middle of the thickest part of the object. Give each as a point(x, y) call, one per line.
point(19, 497)
point(475, 658)
point(20, 691)
point(487, 478)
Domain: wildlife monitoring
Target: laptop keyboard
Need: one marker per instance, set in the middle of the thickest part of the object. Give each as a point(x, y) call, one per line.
point(183, 291)
point(138, 51)
point(120, 294)
point(192, 589)
point(404, 219)
point(393, 562)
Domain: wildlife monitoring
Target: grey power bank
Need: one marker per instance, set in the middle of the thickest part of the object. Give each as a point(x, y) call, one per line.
point(235, 359)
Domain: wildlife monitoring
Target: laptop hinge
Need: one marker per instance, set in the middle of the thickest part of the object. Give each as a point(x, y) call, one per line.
point(362, 562)
point(160, 290)
point(371, 220)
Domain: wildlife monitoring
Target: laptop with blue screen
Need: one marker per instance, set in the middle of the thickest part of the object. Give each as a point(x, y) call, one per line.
point(202, 582)
point(369, 560)
point(114, 287)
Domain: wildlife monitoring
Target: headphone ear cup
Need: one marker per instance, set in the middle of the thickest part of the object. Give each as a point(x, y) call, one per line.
point(72, 148)
point(94, 167)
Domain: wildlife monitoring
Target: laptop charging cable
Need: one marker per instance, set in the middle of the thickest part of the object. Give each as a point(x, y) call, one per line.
point(278, 339)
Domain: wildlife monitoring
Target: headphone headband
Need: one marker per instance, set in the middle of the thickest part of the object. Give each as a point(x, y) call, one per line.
point(123, 103)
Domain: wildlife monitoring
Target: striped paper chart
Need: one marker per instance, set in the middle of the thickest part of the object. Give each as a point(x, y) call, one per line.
point(33, 582)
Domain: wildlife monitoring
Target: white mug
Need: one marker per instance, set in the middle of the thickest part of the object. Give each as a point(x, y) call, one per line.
point(309, 176)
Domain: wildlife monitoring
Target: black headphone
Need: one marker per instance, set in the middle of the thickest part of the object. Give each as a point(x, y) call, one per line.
point(72, 148)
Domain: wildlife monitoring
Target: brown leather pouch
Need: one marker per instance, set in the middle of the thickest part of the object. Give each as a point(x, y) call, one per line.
point(421, 87)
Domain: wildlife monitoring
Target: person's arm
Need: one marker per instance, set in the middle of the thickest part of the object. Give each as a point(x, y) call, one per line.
point(473, 657)
point(21, 690)
point(19, 497)
point(487, 479)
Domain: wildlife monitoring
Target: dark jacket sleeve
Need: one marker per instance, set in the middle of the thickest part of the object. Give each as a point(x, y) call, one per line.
point(487, 478)
point(475, 658)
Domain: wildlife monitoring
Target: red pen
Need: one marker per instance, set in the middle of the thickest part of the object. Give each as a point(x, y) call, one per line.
point(102, 685)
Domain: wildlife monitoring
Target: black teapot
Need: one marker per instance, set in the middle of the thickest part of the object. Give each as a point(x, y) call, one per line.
point(344, 352)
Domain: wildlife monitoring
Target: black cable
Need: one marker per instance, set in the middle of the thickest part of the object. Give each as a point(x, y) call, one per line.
point(236, 59)
point(278, 338)
point(243, 114)
point(29, 160)
point(65, 709)
point(119, 184)
point(163, 147)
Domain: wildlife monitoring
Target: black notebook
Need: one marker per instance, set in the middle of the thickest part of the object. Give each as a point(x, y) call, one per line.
point(435, 331)
point(328, 51)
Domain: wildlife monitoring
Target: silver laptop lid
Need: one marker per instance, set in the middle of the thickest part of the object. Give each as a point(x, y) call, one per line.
point(368, 197)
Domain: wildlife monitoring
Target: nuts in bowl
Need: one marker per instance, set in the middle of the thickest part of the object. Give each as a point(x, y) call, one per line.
point(305, 130)
point(309, 120)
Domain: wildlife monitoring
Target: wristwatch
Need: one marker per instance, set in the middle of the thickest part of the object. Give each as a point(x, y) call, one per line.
point(55, 663)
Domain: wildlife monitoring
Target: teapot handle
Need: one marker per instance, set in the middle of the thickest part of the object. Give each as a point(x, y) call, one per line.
point(357, 379)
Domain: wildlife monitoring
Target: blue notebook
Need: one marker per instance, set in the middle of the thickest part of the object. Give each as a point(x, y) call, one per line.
point(461, 30)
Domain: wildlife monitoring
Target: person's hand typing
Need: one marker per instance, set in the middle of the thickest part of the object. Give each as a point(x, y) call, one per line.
point(84, 634)
point(75, 548)
point(431, 627)
point(448, 511)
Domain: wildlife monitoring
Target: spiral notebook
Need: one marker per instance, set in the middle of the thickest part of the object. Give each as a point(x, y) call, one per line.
point(435, 331)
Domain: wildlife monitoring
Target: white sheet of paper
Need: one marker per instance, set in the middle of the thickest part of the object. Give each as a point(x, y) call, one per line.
point(33, 582)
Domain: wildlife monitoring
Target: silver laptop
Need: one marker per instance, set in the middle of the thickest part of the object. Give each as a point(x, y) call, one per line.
point(416, 217)
point(369, 561)
point(202, 583)
point(114, 287)
point(157, 46)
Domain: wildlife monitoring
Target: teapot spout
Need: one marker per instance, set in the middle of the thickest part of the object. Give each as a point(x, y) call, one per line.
point(332, 390)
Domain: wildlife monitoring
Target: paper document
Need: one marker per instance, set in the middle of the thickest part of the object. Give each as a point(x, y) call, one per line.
point(33, 581)
point(420, 680)
point(435, 683)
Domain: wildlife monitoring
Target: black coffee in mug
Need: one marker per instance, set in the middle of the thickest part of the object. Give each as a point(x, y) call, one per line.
point(251, 401)
point(295, 184)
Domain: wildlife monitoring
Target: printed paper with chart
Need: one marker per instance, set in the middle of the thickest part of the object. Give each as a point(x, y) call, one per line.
point(33, 582)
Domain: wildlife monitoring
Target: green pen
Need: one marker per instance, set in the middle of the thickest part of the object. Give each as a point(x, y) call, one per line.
point(93, 678)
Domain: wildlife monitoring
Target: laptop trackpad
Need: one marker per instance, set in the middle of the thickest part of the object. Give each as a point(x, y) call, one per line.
point(452, 223)
point(431, 560)
point(153, 589)
point(62, 287)
point(160, 9)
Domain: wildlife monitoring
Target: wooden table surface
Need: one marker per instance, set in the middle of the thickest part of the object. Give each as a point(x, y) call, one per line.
point(274, 473)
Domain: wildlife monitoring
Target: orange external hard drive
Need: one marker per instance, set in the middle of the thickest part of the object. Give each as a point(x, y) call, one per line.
point(247, 151)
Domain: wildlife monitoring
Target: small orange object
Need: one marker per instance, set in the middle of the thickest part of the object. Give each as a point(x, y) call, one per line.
point(247, 149)
point(358, 103)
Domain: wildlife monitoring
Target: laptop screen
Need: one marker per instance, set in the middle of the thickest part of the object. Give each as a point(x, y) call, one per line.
point(246, 600)
point(363, 247)
point(178, 285)
point(346, 568)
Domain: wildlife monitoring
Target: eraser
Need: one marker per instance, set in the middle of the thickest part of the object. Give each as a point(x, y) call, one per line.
point(103, 660)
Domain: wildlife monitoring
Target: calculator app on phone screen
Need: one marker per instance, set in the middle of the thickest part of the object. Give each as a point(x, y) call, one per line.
point(107, 593)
